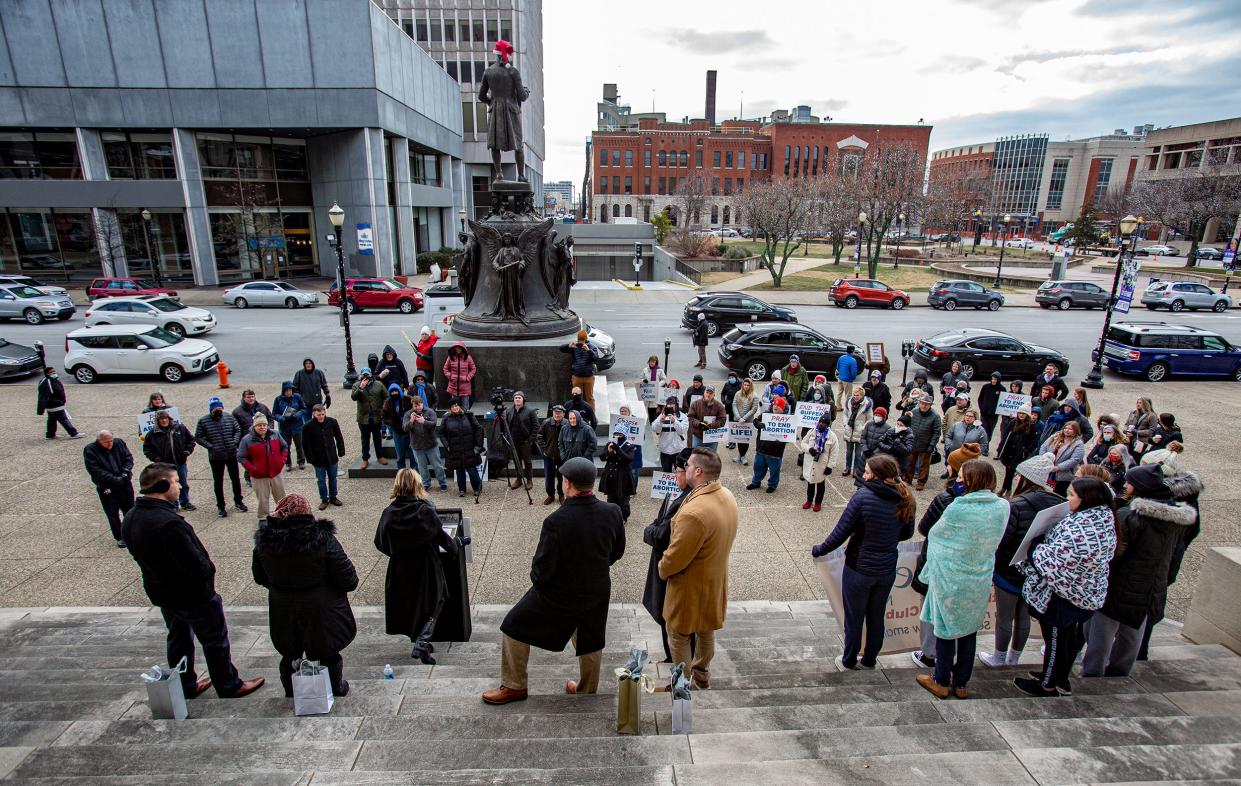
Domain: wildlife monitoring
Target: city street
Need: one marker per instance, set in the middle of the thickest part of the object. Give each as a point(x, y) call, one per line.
point(270, 343)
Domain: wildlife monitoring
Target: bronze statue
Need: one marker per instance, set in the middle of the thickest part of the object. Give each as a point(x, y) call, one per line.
point(503, 92)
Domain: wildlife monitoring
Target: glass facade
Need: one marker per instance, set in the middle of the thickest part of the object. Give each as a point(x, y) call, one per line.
point(1018, 173)
point(56, 244)
point(139, 156)
point(39, 156)
point(1055, 189)
point(162, 240)
point(1103, 180)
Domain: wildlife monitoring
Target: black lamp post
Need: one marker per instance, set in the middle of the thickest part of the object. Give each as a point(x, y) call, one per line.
point(977, 229)
point(152, 248)
point(999, 269)
point(337, 217)
point(900, 219)
point(861, 227)
point(1129, 226)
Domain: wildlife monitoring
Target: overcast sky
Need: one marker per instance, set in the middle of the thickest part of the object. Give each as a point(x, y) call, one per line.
point(974, 69)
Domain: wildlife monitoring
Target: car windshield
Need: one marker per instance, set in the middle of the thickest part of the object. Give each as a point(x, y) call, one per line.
point(393, 284)
point(158, 338)
point(25, 291)
point(165, 304)
point(286, 287)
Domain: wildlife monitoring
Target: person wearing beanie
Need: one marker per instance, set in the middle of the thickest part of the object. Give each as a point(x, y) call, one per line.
point(953, 383)
point(291, 414)
point(795, 376)
point(967, 452)
point(578, 544)
point(768, 453)
point(264, 454)
point(877, 390)
point(424, 359)
point(421, 388)
point(369, 395)
point(692, 393)
point(1167, 457)
point(1149, 528)
point(617, 481)
point(219, 433)
point(171, 442)
point(952, 416)
point(988, 398)
point(898, 443)
point(854, 415)
point(911, 391)
point(701, 335)
point(874, 433)
point(548, 440)
point(582, 366)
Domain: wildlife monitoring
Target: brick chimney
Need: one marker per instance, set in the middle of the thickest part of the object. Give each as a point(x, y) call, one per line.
point(710, 110)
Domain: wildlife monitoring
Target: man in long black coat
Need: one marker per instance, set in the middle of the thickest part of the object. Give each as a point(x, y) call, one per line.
point(572, 587)
point(657, 535)
point(110, 466)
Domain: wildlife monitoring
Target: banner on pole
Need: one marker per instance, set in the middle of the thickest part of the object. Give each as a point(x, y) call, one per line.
point(1128, 285)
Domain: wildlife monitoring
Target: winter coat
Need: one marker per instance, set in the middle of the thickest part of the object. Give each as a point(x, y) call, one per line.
point(1056, 383)
point(548, 439)
point(951, 385)
point(906, 403)
point(308, 578)
point(960, 558)
point(586, 413)
point(616, 480)
point(177, 572)
point(870, 525)
point(691, 395)
point(323, 442)
point(575, 441)
point(463, 440)
point(847, 368)
point(392, 413)
point(570, 580)
point(425, 360)
point(1068, 458)
point(421, 435)
point(854, 415)
point(51, 395)
point(1138, 575)
point(695, 564)
point(952, 416)
point(1018, 445)
point(291, 413)
point(109, 469)
point(897, 444)
point(797, 380)
point(1072, 561)
point(773, 448)
point(960, 433)
point(245, 415)
point(988, 398)
point(1160, 437)
point(172, 445)
point(1021, 513)
point(424, 391)
point(394, 368)
point(728, 392)
point(700, 333)
point(745, 410)
point(1139, 427)
point(872, 436)
point(930, 518)
point(220, 437)
point(370, 401)
point(581, 360)
point(522, 424)
point(925, 427)
point(657, 535)
point(702, 410)
point(670, 436)
point(415, 586)
point(263, 457)
point(879, 394)
point(814, 469)
point(459, 372)
point(311, 385)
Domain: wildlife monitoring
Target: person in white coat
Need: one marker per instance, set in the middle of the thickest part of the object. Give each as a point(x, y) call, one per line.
point(821, 446)
point(669, 428)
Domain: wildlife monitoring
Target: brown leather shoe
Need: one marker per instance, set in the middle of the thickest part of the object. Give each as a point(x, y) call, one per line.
point(570, 687)
point(503, 695)
point(365, 463)
point(201, 687)
point(383, 461)
point(529, 484)
point(938, 691)
point(549, 500)
point(960, 693)
point(248, 687)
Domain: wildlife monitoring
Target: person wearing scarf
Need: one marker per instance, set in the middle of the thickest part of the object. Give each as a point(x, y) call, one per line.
point(819, 444)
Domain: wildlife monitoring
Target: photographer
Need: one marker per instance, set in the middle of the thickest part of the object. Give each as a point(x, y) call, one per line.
point(548, 440)
point(463, 442)
point(582, 366)
point(669, 427)
point(617, 479)
point(522, 425)
point(419, 424)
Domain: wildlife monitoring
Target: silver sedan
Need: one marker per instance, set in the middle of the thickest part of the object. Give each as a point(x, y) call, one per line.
point(269, 293)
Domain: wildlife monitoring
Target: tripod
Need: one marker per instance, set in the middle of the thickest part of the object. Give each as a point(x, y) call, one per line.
point(510, 452)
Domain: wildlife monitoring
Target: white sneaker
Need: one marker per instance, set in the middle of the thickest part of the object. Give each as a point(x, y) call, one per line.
point(992, 659)
point(1013, 658)
point(745, 461)
point(840, 665)
point(736, 459)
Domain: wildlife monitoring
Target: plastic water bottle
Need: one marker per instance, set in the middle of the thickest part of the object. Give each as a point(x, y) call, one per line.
point(389, 674)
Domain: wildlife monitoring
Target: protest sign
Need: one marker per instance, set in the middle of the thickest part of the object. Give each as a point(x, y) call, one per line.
point(146, 420)
point(780, 428)
point(648, 391)
point(741, 433)
point(664, 483)
point(715, 434)
point(1009, 403)
point(809, 412)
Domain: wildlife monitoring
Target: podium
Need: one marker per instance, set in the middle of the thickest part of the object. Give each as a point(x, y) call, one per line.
point(454, 623)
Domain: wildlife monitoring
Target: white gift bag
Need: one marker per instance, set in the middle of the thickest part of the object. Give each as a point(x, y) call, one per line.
point(683, 715)
point(312, 689)
point(164, 692)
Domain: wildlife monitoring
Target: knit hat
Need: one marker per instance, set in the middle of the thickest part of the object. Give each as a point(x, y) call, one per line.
point(709, 389)
point(819, 379)
point(581, 335)
point(1024, 408)
point(1147, 481)
point(214, 403)
point(698, 377)
point(905, 419)
point(291, 505)
point(580, 472)
point(779, 401)
point(1037, 470)
point(420, 375)
point(996, 375)
point(1169, 460)
point(794, 359)
point(882, 412)
point(426, 331)
point(776, 375)
point(966, 452)
point(259, 418)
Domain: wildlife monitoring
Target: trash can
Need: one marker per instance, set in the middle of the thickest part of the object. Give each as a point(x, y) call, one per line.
point(454, 623)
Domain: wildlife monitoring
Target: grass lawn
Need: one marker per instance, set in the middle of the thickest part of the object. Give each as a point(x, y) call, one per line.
point(819, 279)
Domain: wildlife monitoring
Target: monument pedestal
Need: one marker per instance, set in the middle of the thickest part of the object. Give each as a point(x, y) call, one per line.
point(536, 367)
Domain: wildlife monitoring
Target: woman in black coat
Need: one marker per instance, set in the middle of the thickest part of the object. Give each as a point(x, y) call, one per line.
point(308, 577)
point(1016, 445)
point(617, 479)
point(410, 535)
point(657, 535)
point(463, 446)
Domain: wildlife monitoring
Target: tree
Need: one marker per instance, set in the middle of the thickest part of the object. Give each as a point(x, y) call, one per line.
point(891, 183)
point(951, 199)
point(1190, 201)
point(108, 233)
point(835, 206)
point(781, 211)
point(1084, 233)
point(663, 225)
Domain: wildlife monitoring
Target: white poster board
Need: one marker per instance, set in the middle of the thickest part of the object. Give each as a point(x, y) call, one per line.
point(809, 412)
point(146, 420)
point(663, 484)
point(648, 391)
point(741, 433)
point(715, 434)
point(632, 427)
point(779, 428)
point(1009, 403)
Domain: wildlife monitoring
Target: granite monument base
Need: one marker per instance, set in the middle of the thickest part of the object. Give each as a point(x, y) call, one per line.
point(536, 367)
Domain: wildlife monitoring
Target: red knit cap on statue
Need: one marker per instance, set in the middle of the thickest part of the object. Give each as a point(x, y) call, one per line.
point(505, 49)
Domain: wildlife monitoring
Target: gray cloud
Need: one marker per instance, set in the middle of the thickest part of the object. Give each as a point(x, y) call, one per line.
point(1198, 12)
point(717, 42)
point(1013, 62)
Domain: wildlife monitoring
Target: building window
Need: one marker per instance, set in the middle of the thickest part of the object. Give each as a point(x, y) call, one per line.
point(409, 28)
point(138, 156)
point(646, 213)
point(480, 118)
point(663, 185)
point(728, 159)
point(740, 185)
point(762, 160)
point(663, 158)
point(603, 157)
point(715, 159)
point(451, 67)
point(726, 213)
point(40, 156)
point(436, 35)
point(715, 186)
point(788, 158)
point(467, 117)
point(424, 168)
point(698, 157)
point(1055, 189)
point(615, 211)
point(603, 214)
point(646, 158)
point(479, 68)
point(163, 240)
point(815, 166)
point(506, 29)
point(54, 244)
point(603, 185)
point(628, 184)
point(741, 160)
point(616, 158)
point(796, 160)
point(628, 158)
point(450, 30)
point(672, 185)
point(464, 29)
point(477, 27)
point(728, 187)
point(685, 158)
point(1103, 180)
point(715, 214)
point(646, 184)
point(628, 211)
point(466, 76)
point(493, 29)
point(421, 27)
point(615, 184)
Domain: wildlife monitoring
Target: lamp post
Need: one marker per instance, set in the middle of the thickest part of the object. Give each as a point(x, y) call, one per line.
point(152, 249)
point(1129, 226)
point(999, 269)
point(977, 228)
point(861, 227)
point(900, 219)
point(637, 265)
point(337, 217)
point(461, 215)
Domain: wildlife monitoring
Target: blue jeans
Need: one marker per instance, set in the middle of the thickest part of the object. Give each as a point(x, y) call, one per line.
point(326, 478)
point(400, 441)
point(954, 660)
point(764, 464)
point(431, 463)
point(183, 475)
point(696, 441)
point(865, 600)
point(853, 455)
point(476, 482)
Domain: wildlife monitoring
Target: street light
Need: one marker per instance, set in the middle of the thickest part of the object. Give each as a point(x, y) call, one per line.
point(461, 215)
point(1128, 226)
point(900, 219)
point(861, 227)
point(337, 217)
point(151, 248)
point(977, 228)
point(637, 264)
point(999, 269)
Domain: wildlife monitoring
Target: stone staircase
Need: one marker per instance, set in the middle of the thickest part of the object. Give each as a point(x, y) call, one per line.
point(72, 711)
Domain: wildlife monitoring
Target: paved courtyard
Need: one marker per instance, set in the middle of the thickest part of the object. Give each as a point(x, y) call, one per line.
point(55, 549)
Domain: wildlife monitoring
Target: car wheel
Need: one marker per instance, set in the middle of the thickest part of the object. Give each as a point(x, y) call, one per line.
point(290, 302)
point(1220, 306)
point(1065, 304)
point(1157, 372)
point(241, 302)
point(33, 316)
point(173, 373)
point(1236, 374)
point(175, 329)
point(993, 305)
point(898, 304)
point(950, 305)
point(352, 307)
point(83, 374)
point(1177, 305)
point(969, 369)
point(756, 370)
point(851, 301)
point(713, 327)
point(406, 306)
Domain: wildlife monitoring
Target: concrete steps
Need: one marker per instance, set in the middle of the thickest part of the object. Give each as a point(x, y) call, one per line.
point(73, 712)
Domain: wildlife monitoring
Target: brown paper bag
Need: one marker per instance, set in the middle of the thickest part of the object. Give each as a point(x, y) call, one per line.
point(628, 704)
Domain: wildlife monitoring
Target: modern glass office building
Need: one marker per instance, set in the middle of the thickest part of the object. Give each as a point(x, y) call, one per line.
point(210, 138)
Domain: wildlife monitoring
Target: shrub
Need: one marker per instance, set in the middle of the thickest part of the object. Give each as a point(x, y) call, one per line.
point(443, 256)
point(737, 252)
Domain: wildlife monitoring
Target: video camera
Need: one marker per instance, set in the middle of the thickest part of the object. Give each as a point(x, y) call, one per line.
point(499, 395)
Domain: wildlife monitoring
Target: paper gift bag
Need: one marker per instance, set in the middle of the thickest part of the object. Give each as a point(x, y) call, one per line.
point(312, 689)
point(683, 714)
point(628, 703)
point(164, 692)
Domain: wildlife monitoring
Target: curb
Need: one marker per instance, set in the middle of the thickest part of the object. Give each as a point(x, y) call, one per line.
point(630, 287)
point(691, 287)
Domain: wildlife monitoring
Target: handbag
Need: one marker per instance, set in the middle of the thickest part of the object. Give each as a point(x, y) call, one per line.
point(165, 694)
point(312, 689)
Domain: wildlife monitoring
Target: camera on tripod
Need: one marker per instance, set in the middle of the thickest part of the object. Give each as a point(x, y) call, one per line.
point(499, 395)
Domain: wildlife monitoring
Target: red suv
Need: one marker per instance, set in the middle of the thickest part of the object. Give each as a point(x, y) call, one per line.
point(127, 287)
point(377, 293)
point(854, 292)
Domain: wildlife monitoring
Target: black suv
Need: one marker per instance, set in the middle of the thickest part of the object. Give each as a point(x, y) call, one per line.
point(757, 350)
point(726, 309)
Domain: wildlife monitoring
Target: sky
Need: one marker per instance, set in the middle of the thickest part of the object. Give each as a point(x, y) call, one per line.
point(973, 69)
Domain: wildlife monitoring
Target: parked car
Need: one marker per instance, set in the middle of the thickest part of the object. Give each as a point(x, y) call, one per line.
point(757, 350)
point(1157, 350)
point(1207, 252)
point(136, 349)
point(950, 293)
point(602, 345)
point(269, 293)
point(364, 293)
point(1020, 242)
point(854, 292)
point(47, 289)
point(171, 315)
point(725, 309)
point(1068, 294)
point(17, 360)
point(1160, 250)
point(116, 287)
point(982, 351)
point(19, 301)
point(727, 232)
point(945, 237)
point(1181, 295)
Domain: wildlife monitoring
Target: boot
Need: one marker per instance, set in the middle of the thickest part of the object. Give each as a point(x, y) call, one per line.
point(550, 499)
point(422, 645)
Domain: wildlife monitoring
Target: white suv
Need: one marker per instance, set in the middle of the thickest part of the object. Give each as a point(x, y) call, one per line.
point(136, 350)
point(47, 289)
point(168, 313)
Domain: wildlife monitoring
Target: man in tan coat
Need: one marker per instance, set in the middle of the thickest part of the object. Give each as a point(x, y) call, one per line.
point(695, 565)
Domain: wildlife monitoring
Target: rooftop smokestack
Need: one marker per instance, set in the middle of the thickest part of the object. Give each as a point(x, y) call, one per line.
point(710, 110)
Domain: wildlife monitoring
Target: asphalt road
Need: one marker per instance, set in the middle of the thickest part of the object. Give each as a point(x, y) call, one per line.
point(269, 344)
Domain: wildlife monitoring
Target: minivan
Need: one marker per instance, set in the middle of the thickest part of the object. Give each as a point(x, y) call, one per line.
point(1158, 350)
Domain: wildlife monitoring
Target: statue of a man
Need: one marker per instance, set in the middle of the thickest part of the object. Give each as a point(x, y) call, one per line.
point(504, 93)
